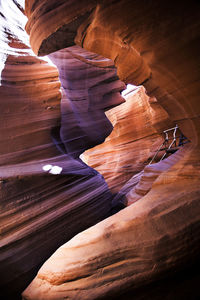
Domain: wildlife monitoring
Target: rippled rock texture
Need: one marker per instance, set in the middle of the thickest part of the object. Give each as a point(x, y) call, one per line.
point(90, 86)
point(52, 25)
point(47, 193)
point(149, 250)
point(134, 139)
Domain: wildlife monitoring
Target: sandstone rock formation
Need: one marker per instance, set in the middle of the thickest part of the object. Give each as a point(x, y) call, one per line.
point(149, 250)
point(137, 246)
point(134, 139)
point(152, 237)
point(47, 193)
point(52, 25)
point(90, 86)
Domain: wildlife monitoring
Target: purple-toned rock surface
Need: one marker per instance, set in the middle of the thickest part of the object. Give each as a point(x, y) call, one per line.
point(47, 194)
point(90, 86)
point(149, 250)
point(156, 238)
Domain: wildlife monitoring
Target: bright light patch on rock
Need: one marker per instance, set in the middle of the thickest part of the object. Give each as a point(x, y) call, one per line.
point(55, 170)
point(47, 167)
point(129, 88)
point(52, 169)
point(47, 59)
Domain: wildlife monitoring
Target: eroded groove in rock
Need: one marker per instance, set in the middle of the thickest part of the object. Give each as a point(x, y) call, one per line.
point(90, 86)
point(52, 24)
point(98, 35)
point(157, 45)
point(46, 196)
point(136, 246)
point(150, 43)
point(134, 140)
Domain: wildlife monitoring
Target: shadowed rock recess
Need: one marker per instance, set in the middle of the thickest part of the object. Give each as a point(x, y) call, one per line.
point(74, 151)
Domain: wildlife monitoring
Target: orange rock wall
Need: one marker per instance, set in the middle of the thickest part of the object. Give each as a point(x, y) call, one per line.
point(45, 193)
point(155, 45)
point(133, 142)
point(48, 196)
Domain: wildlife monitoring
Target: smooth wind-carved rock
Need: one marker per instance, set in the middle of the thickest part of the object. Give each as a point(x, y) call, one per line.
point(149, 250)
point(47, 195)
point(52, 25)
point(134, 139)
point(90, 86)
point(156, 238)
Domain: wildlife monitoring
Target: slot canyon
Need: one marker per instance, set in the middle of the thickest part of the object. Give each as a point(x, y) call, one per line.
point(99, 149)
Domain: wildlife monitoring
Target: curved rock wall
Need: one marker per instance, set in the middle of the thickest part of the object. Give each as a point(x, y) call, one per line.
point(157, 236)
point(128, 250)
point(136, 136)
point(49, 33)
point(157, 45)
point(90, 86)
point(46, 195)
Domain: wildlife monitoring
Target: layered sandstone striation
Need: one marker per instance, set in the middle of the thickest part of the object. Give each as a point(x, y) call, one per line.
point(158, 233)
point(52, 25)
point(47, 194)
point(137, 246)
point(90, 86)
point(156, 238)
point(136, 136)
